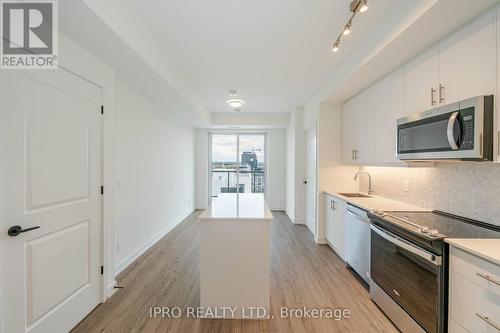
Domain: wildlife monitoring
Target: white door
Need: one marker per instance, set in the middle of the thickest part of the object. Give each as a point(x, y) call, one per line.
point(51, 150)
point(338, 239)
point(311, 180)
point(349, 128)
point(329, 223)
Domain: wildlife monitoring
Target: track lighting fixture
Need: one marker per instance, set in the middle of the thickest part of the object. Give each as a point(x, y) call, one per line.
point(357, 6)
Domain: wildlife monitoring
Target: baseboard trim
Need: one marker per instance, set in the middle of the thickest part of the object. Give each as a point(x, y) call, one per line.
point(140, 251)
point(321, 241)
point(111, 289)
point(300, 221)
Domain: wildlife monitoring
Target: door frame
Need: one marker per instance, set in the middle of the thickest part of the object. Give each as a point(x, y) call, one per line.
point(236, 132)
point(85, 65)
point(316, 185)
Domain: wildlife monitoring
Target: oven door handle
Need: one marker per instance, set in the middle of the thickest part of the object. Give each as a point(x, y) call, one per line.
point(430, 257)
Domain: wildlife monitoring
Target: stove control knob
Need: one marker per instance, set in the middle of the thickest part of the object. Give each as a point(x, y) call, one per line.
point(434, 232)
point(424, 229)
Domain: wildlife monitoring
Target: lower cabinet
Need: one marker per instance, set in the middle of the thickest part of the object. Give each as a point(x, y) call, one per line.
point(335, 224)
point(474, 294)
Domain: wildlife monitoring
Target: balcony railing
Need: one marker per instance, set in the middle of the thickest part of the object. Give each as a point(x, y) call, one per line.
point(229, 182)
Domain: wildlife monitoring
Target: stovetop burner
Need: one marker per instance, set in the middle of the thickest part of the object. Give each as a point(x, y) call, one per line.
point(439, 225)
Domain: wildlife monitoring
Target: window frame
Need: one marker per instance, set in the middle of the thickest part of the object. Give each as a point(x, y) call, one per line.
point(238, 158)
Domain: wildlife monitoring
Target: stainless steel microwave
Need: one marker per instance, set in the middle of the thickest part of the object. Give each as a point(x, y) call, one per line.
point(462, 130)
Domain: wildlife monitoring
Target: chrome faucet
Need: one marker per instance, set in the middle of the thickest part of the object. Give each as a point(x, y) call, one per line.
point(361, 172)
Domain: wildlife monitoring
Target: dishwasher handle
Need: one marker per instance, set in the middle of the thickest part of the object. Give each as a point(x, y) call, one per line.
point(398, 241)
point(364, 218)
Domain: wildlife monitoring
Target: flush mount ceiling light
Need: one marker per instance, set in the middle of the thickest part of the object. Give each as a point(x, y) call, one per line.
point(356, 6)
point(233, 102)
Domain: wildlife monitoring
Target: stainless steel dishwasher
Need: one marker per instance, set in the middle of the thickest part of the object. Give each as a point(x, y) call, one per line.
point(357, 227)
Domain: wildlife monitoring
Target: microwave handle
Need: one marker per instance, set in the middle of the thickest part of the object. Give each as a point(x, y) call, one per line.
point(449, 130)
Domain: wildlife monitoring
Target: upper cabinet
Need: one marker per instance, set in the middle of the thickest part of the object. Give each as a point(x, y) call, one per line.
point(388, 107)
point(467, 61)
point(421, 82)
point(357, 130)
point(369, 123)
point(462, 66)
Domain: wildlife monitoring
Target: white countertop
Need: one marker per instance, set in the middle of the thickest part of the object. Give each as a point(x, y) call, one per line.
point(379, 203)
point(488, 249)
point(237, 206)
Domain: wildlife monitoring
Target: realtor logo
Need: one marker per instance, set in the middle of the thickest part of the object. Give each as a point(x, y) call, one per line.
point(29, 34)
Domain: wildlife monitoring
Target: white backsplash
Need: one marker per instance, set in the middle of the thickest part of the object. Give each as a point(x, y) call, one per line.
point(469, 189)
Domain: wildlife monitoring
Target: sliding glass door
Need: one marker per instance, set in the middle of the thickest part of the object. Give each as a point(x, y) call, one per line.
point(237, 163)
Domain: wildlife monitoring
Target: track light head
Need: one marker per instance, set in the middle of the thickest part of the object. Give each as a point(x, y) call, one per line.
point(347, 29)
point(335, 46)
point(359, 6)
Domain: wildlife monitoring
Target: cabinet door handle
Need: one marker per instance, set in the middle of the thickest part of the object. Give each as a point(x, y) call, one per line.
point(356, 157)
point(352, 154)
point(488, 278)
point(432, 96)
point(441, 89)
point(489, 321)
point(333, 205)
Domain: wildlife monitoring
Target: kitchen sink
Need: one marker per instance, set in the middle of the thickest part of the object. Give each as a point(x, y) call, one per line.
point(355, 195)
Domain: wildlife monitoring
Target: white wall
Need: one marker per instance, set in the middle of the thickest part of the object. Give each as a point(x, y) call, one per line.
point(332, 175)
point(277, 169)
point(290, 168)
point(295, 171)
point(250, 120)
point(201, 171)
point(155, 174)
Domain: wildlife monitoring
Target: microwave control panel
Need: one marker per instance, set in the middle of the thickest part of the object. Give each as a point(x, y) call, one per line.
point(467, 126)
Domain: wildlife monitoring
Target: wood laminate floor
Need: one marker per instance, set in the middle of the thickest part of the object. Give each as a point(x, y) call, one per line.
point(303, 274)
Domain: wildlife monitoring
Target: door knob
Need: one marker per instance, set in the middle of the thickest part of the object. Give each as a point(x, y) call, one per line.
point(305, 181)
point(17, 229)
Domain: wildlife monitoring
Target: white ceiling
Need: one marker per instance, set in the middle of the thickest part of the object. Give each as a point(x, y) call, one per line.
point(276, 53)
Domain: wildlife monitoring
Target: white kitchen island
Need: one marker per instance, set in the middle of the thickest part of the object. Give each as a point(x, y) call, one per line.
point(235, 257)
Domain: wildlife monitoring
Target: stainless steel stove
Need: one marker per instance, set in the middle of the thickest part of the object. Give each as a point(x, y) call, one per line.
point(409, 264)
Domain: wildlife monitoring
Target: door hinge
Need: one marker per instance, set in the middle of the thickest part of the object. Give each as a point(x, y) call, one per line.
point(102, 109)
point(102, 270)
point(102, 189)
